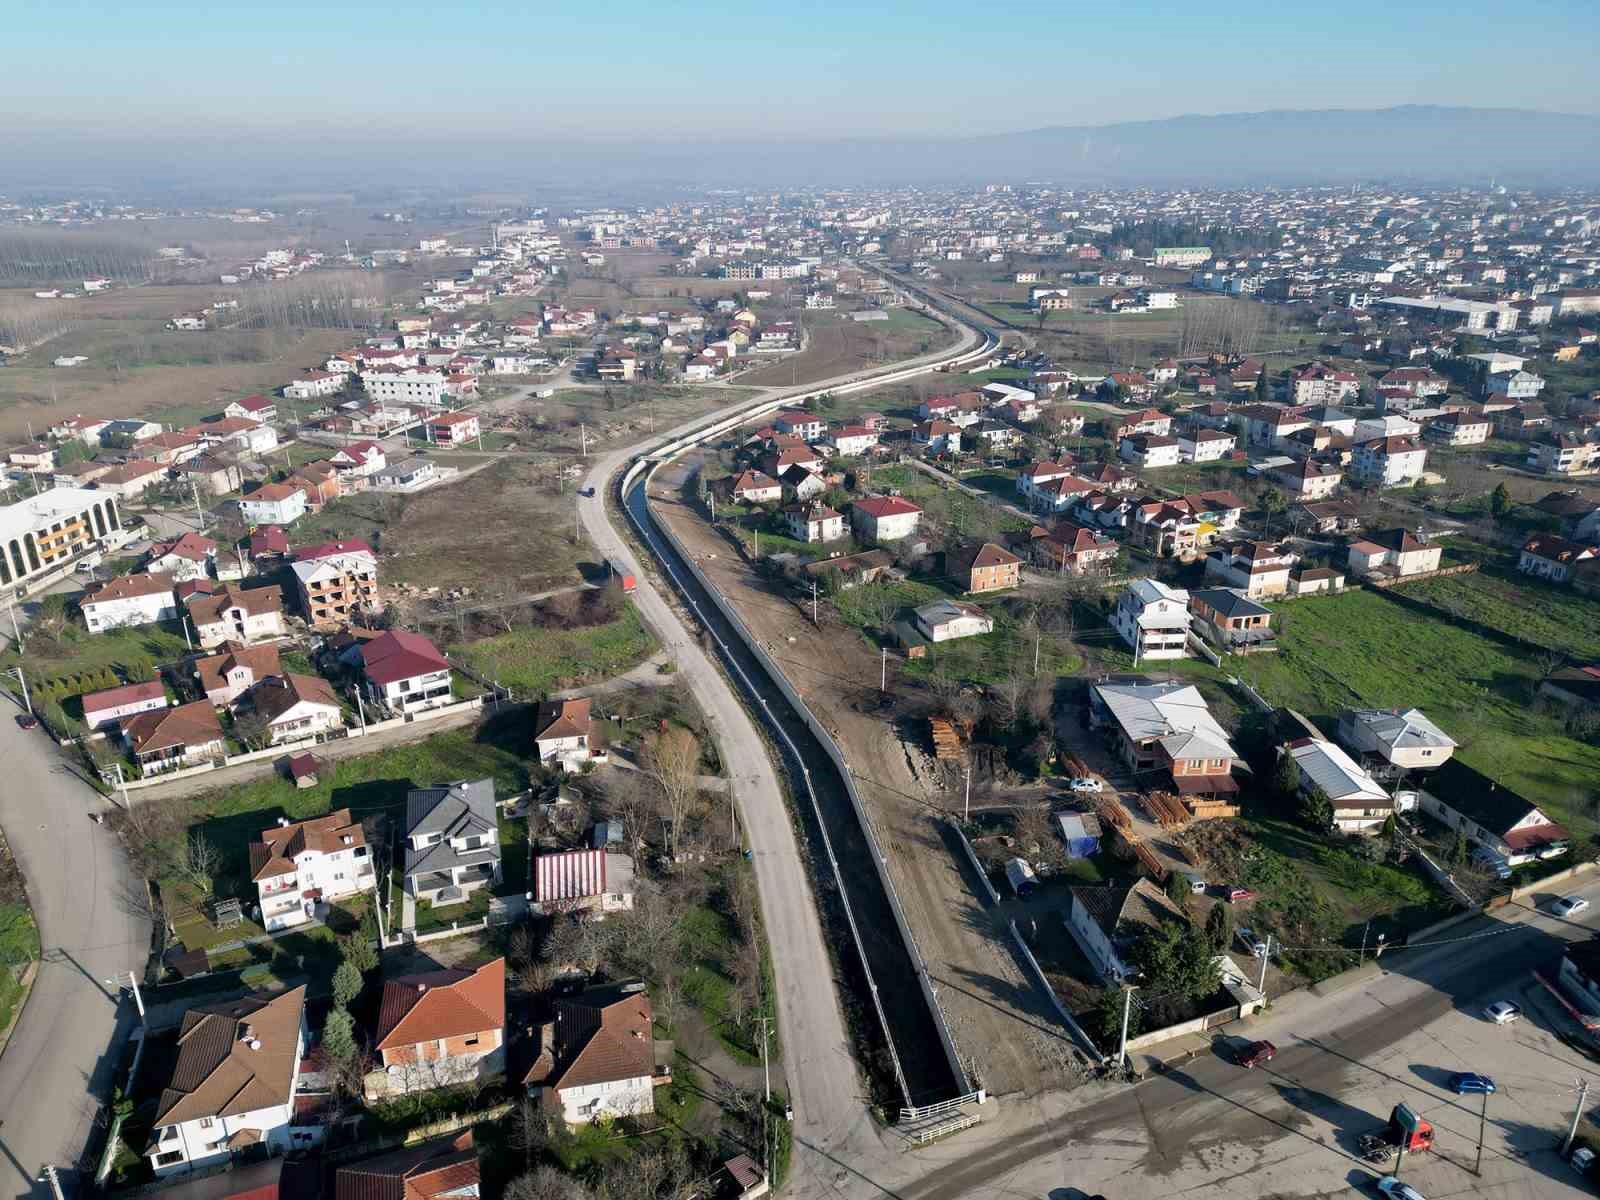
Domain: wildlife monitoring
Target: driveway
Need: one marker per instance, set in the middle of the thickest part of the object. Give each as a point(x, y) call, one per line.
point(60, 1060)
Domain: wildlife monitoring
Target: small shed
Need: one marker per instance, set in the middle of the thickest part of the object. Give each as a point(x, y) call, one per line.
point(607, 834)
point(1019, 874)
point(1080, 832)
point(303, 769)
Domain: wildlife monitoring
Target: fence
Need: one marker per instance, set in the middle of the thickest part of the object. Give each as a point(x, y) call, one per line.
point(282, 748)
point(1196, 1025)
point(1383, 583)
point(977, 867)
point(1061, 1010)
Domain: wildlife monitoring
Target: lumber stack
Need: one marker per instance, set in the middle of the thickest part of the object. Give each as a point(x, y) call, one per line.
point(1167, 809)
point(1205, 809)
point(1113, 814)
point(946, 741)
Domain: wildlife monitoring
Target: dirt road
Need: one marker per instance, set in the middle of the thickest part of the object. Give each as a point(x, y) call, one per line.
point(1009, 1040)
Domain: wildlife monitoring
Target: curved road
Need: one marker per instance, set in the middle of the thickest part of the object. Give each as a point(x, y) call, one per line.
point(63, 1051)
point(832, 1121)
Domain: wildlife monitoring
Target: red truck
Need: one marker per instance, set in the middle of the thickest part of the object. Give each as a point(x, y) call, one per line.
point(624, 581)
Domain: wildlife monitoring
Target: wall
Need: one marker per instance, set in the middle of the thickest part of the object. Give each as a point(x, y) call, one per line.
point(1198, 1025)
point(1043, 984)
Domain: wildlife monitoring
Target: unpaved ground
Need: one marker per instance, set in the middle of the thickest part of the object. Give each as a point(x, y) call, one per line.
point(1005, 1031)
point(836, 346)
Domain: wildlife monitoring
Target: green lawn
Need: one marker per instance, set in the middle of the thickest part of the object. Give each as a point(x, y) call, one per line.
point(513, 856)
point(535, 661)
point(78, 651)
point(1556, 617)
point(474, 908)
point(1364, 650)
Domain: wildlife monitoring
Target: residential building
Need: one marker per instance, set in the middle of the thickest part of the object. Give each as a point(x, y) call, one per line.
point(1259, 569)
point(385, 387)
point(1563, 454)
point(452, 840)
point(981, 567)
point(1147, 421)
point(131, 478)
point(453, 428)
point(191, 556)
point(442, 1028)
point(1391, 741)
point(442, 1168)
point(1166, 728)
point(756, 487)
point(1149, 451)
point(404, 671)
point(796, 422)
point(226, 676)
point(597, 1060)
point(884, 518)
point(1459, 429)
point(562, 733)
point(939, 437)
point(110, 705)
point(1330, 516)
point(1317, 383)
point(1546, 556)
point(1108, 923)
point(231, 1084)
point(1393, 553)
point(298, 866)
point(813, 522)
point(596, 881)
point(128, 600)
point(239, 434)
point(1074, 549)
point(359, 459)
point(1153, 619)
point(169, 738)
point(210, 476)
point(273, 504)
point(1389, 461)
point(1230, 620)
point(314, 385)
point(292, 707)
point(254, 408)
point(1360, 805)
point(407, 475)
point(1491, 814)
point(1204, 445)
point(336, 582)
point(237, 615)
point(1308, 478)
point(946, 620)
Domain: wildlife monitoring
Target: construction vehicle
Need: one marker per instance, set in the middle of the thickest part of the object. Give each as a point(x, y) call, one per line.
point(1406, 1133)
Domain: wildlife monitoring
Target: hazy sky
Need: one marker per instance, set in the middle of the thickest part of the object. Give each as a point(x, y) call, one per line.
point(684, 71)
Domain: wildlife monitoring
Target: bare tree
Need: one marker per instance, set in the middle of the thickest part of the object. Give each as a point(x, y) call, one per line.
point(547, 1183)
point(200, 863)
point(672, 758)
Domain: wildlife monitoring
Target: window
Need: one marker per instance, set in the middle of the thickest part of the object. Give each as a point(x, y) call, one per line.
point(166, 1160)
point(471, 1041)
point(206, 1122)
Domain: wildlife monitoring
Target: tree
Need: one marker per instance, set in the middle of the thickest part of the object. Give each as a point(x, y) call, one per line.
point(672, 758)
point(200, 863)
point(358, 952)
point(1263, 387)
point(1178, 890)
point(253, 729)
point(1108, 1016)
point(547, 1183)
point(1219, 927)
point(1316, 810)
point(1285, 777)
point(1273, 505)
point(1179, 967)
point(347, 984)
point(1458, 849)
point(339, 1036)
point(1500, 502)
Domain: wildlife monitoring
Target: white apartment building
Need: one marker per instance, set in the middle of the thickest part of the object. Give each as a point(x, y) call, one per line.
point(404, 387)
point(1153, 619)
point(1389, 462)
point(129, 600)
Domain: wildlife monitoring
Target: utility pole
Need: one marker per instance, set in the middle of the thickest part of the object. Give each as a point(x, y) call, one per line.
point(813, 602)
point(583, 439)
point(17, 671)
point(199, 513)
point(362, 709)
point(1360, 962)
point(883, 669)
point(1265, 958)
point(15, 628)
point(53, 1181)
point(1127, 1008)
point(1583, 1092)
point(138, 1000)
point(966, 806)
point(122, 785)
point(1483, 1119)
point(766, 1107)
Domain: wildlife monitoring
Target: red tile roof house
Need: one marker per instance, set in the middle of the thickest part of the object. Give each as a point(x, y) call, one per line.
point(597, 1058)
point(404, 671)
point(884, 518)
point(226, 676)
point(296, 866)
point(983, 567)
point(170, 738)
point(756, 487)
point(440, 1028)
point(107, 707)
point(442, 1168)
point(562, 734)
point(453, 428)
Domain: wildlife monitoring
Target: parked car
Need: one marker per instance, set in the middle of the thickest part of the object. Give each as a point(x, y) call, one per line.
point(1250, 942)
point(1086, 784)
point(1257, 1054)
point(588, 491)
point(1582, 1159)
point(1492, 862)
point(1503, 1012)
point(1464, 1082)
point(1569, 906)
point(1238, 894)
point(27, 720)
point(1397, 1189)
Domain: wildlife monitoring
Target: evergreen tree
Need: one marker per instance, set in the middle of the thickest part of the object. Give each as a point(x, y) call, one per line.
point(347, 984)
point(339, 1036)
point(1286, 777)
point(1499, 502)
point(359, 953)
point(1219, 927)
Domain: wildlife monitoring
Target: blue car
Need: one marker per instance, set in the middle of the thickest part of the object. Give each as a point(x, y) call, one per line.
point(1466, 1082)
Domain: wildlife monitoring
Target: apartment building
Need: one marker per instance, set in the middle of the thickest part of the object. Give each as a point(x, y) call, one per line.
point(1153, 619)
point(336, 581)
point(297, 866)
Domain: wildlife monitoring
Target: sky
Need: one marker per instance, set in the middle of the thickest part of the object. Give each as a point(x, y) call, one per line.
point(691, 73)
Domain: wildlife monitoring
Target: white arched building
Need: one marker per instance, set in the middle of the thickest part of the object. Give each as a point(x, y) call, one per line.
point(42, 533)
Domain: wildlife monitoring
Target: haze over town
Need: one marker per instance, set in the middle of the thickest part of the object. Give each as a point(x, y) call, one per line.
point(840, 603)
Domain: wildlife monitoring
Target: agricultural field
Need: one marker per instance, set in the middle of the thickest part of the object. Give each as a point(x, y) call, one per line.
point(1362, 649)
point(1557, 618)
point(838, 346)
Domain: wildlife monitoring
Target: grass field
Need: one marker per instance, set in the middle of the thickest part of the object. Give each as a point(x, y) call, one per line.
point(78, 651)
point(1556, 617)
point(837, 346)
point(535, 661)
point(1361, 649)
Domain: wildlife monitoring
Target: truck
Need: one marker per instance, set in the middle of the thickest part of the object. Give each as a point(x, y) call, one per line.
point(1406, 1133)
point(1021, 877)
point(624, 580)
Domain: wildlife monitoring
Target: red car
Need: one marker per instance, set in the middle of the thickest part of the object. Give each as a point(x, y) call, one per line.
point(27, 720)
point(1236, 894)
point(1256, 1054)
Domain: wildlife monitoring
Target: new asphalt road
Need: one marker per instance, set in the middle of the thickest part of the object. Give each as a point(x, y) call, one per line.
point(62, 1053)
